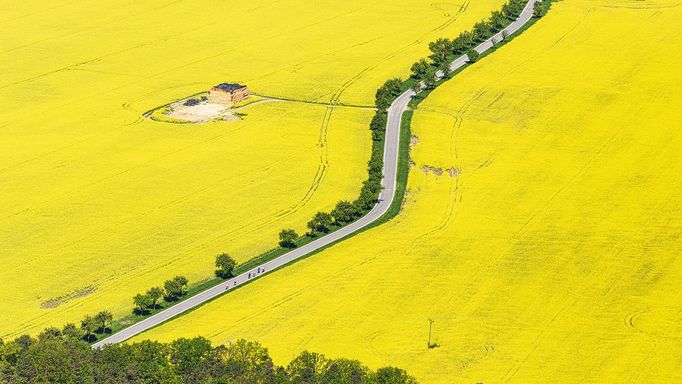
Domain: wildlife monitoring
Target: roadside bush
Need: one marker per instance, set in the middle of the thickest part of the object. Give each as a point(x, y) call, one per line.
point(155, 294)
point(378, 125)
point(103, 319)
point(321, 223)
point(473, 55)
point(387, 92)
point(142, 302)
point(225, 265)
point(441, 50)
point(539, 10)
point(344, 212)
point(287, 238)
point(420, 69)
point(482, 30)
point(513, 8)
point(175, 288)
point(89, 326)
point(497, 21)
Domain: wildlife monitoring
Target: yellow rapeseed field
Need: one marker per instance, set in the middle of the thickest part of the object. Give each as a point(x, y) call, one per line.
point(98, 203)
point(550, 253)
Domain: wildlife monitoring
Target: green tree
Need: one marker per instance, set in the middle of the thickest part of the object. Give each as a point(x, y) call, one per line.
point(287, 238)
point(155, 294)
point(71, 331)
point(24, 341)
point(445, 68)
point(172, 290)
point(103, 319)
point(420, 69)
point(344, 212)
point(142, 302)
point(387, 92)
point(482, 30)
point(539, 10)
point(469, 38)
point(378, 125)
point(225, 264)
point(251, 361)
point(513, 8)
point(89, 325)
point(175, 288)
point(430, 79)
point(116, 364)
point(392, 375)
point(55, 361)
point(183, 282)
point(187, 356)
point(321, 222)
point(497, 21)
point(346, 371)
point(441, 50)
point(394, 86)
point(369, 193)
point(50, 333)
point(142, 362)
point(416, 87)
point(462, 42)
point(307, 368)
point(473, 55)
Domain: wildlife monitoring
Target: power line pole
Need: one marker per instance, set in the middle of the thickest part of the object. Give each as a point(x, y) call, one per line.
point(430, 326)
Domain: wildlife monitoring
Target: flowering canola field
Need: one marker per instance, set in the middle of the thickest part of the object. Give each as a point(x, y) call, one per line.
point(98, 203)
point(549, 253)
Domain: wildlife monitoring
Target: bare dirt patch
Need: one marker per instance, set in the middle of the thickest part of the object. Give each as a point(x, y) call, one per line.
point(197, 109)
point(407, 198)
point(452, 172)
point(414, 140)
point(429, 169)
point(200, 113)
point(57, 301)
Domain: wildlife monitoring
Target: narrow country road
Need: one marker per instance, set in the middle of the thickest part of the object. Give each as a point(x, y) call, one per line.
point(391, 150)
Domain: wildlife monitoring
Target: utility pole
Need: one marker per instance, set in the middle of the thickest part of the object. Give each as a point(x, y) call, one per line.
point(430, 326)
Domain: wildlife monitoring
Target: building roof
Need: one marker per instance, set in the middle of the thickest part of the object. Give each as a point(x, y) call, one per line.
point(229, 87)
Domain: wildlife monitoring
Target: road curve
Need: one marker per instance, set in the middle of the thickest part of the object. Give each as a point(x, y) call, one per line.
point(386, 197)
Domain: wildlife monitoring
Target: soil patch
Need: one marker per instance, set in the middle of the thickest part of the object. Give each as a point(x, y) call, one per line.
point(199, 113)
point(57, 301)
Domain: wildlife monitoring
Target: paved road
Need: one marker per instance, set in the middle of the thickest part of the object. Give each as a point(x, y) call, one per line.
point(386, 197)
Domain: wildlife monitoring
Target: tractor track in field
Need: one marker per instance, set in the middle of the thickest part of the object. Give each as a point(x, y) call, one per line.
point(454, 190)
point(335, 102)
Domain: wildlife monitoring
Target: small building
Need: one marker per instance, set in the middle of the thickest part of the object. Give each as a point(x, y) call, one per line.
point(228, 94)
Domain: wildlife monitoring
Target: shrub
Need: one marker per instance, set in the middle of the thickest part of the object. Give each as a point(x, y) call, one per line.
point(321, 222)
point(175, 288)
point(287, 238)
point(387, 92)
point(473, 55)
point(420, 69)
point(225, 265)
point(191, 102)
point(344, 212)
